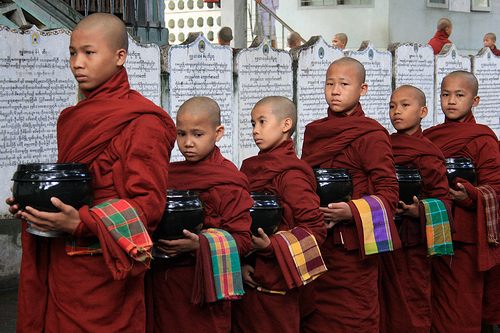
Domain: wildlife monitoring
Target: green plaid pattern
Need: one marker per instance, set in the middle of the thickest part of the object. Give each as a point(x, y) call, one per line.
point(439, 242)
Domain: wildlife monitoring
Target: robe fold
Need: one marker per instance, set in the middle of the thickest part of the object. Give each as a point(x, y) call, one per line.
point(458, 284)
point(280, 172)
point(225, 193)
point(125, 140)
point(347, 295)
point(405, 274)
point(437, 42)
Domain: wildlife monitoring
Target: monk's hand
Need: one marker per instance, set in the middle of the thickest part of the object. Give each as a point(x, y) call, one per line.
point(259, 242)
point(246, 274)
point(335, 213)
point(65, 221)
point(13, 207)
point(409, 210)
point(172, 248)
point(459, 194)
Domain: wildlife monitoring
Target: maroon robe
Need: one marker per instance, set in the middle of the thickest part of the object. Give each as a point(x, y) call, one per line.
point(458, 283)
point(495, 51)
point(126, 141)
point(279, 171)
point(347, 295)
point(226, 198)
point(405, 274)
point(437, 42)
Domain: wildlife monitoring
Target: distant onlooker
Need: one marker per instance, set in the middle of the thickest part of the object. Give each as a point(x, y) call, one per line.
point(293, 39)
point(225, 36)
point(489, 41)
point(265, 21)
point(340, 40)
point(444, 28)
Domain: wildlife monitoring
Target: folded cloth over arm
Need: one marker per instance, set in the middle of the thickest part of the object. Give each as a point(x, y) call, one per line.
point(439, 242)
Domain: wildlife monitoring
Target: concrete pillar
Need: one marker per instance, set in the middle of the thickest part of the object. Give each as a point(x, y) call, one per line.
point(234, 15)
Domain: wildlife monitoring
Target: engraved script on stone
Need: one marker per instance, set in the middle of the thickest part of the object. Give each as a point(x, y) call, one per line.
point(414, 65)
point(314, 58)
point(143, 69)
point(378, 67)
point(486, 68)
point(198, 68)
point(447, 61)
point(35, 86)
point(262, 71)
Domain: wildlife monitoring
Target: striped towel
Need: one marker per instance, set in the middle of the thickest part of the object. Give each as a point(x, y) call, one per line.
point(437, 228)
point(375, 223)
point(225, 264)
point(492, 211)
point(124, 225)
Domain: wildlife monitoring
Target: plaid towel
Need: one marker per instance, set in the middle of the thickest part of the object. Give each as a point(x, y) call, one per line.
point(375, 223)
point(124, 225)
point(437, 228)
point(225, 264)
point(492, 218)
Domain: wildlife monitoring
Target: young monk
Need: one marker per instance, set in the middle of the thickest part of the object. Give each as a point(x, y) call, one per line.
point(458, 283)
point(489, 41)
point(271, 300)
point(347, 295)
point(405, 274)
point(444, 28)
point(87, 282)
point(224, 191)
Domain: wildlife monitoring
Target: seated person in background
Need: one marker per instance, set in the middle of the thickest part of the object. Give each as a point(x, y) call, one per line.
point(340, 40)
point(489, 41)
point(444, 28)
point(293, 39)
point(225, 36)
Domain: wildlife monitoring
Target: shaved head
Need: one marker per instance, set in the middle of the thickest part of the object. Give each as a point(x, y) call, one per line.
point(226, 35)
point(342, 37)
point(468, 76)
point(109, 26)
point(358, 68)
point(491, 36)
point(417, 93)
point(443, 24)
point(202, 106)
point(282, 108)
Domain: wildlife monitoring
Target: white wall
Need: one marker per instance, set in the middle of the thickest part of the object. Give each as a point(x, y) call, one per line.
point(358, 22)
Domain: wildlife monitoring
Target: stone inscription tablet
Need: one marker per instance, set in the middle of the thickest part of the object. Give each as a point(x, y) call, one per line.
point(314, 58)
point(35, 86)
point(378, 67)
point(414, 65)
point(198, 68)
point(486, 68)
point(262, 71)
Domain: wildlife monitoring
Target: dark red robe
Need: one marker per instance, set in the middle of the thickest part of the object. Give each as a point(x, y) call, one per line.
point(279, 171)
point(126, 141)
point(437, 42)
point(405, 274)
point(225, 194)
point(458, 283)
point(347, 295)
point(495, 51)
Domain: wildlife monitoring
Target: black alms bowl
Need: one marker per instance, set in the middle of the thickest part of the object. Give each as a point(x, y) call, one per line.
point(36, 183)
point(410, 183)
point(460, 167)
point(266, 213)
point(333, 185)
point(184, 210)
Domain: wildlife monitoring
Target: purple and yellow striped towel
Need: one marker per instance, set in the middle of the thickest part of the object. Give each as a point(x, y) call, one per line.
point(375, 224)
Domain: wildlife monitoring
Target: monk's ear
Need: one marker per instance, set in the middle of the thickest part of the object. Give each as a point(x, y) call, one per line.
point(219, 132)
point(286, 125)
point(423, 112)
point(121, 56)
point(364, 89)
point(476, 101)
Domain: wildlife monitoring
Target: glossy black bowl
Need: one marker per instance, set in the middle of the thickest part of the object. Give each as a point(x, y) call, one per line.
point(410, 183)
point(333, 185)
point(36, 183)
point(184, 210)
point(266, 213)
point(460, 167)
